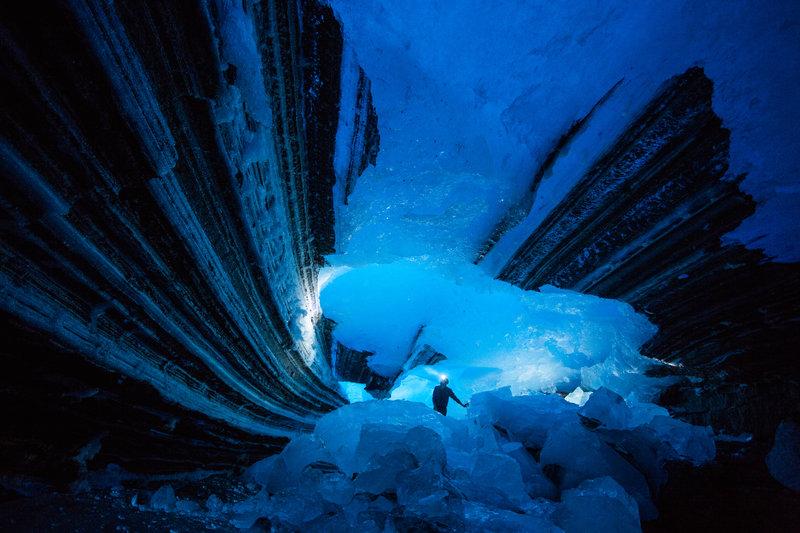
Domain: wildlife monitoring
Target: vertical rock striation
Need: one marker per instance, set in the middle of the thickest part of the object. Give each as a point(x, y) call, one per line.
point(645, 224)
point(167, 176)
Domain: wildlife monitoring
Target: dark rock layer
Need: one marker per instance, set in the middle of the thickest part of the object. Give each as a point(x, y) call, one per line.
point(644, 225)
point(166, 203)
point(168, 196)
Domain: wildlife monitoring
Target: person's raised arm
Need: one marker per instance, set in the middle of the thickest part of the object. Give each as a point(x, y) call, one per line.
point(453, 396)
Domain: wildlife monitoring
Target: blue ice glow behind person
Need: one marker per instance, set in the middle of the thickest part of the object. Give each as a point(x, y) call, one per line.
point(442, 395)
point(491, 333)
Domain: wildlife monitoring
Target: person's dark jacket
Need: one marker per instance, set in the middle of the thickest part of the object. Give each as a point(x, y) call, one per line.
point(441, 396)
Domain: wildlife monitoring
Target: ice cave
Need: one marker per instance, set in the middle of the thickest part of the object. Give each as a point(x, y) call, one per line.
point(246, 243)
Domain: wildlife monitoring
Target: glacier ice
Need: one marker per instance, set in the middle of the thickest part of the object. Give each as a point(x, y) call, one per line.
point(607, 408)
point(578, 396)
point(599, 504)
point(515, 463)
point(783, 460)
point(490, 333)
point(164, 498)
point(471, 98)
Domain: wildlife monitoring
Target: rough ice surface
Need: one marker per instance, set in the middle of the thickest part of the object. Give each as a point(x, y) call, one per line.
point(492, 333)
point(515, 463)
point(163, 499)
point(783, 460)
point(472, 96)
point(354, 392)
point(608, 409)
point(578, 396)
point(598, 505)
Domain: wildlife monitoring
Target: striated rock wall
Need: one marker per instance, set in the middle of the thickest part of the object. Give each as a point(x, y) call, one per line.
point(167, 176)
point(644, 225)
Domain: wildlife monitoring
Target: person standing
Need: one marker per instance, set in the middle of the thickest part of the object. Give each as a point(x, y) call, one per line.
point(442, 394)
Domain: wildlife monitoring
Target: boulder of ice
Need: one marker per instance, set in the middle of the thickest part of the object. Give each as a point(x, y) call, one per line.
point(684, 441)
point(335, 487)
point(260, 471)
point(376, 440)
point(582, 455)
point(426, 445)
point(783, 460)
point(484, 438)
point(459, 463)
point(367, 513)
point(187, 506)
point(424, 493)
point(380, 475)
point(642, 449)
point(297, 508)
point(499, 471)
point(352, 510)
point(607, 408)
point(270, 473)
point(526, 419)
point(301, 452)
point(164, 499)
point(340, 430)
point(247, 512)
point(578, 396)
point(214, 504)
point(479, 517)
point(598, 505)
point(537, 484)
point(418, 484)
point(643, 412)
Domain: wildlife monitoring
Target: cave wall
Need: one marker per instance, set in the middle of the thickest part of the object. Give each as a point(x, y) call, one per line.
point(645, 225)
point(167, 174)
point(170, 180)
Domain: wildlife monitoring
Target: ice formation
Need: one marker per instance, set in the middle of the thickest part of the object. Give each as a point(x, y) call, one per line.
point(516, 463)
point(233, 143)
point(783, 460)
point(491, 333)
point(471, 97)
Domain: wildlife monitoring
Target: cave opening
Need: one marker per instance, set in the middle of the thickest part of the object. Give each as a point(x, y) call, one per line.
point(243, 241)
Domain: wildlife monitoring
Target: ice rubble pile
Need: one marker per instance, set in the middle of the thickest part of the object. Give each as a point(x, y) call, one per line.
point(517, 463)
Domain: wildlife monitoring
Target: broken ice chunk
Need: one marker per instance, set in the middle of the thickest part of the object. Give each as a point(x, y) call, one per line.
point(581, 456)
point(783, 460)
point(500, 471)
point(578, 396)
point(381, 474)
point(607, 408)
point(525, 418)
point(214, 504)
point(302, 451)
point(426, 445)
point(163, 499)
point(375, 440)
point(598, 505)
point(684, 441)
point(537, 485)
point(481, 517)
